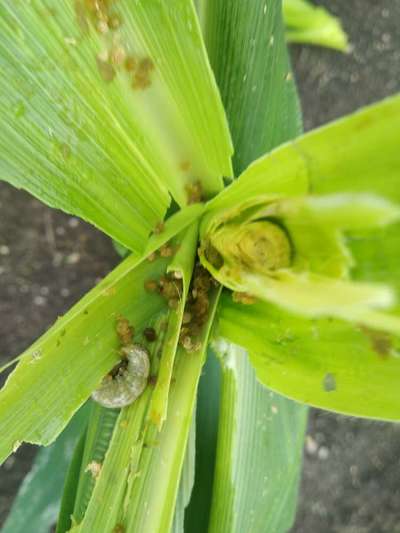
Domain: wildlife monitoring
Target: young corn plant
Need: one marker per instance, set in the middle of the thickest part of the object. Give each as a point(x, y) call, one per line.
point(262, 264)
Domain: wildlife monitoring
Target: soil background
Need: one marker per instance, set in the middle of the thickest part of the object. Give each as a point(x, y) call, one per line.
point(48, 260)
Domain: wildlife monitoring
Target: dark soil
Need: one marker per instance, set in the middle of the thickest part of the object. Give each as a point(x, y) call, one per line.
point(48, 260)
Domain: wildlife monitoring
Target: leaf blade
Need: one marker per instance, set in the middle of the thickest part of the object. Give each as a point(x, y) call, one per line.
point(181, 266)
point(340, 167)
point(49, 385)
point(270, 449)
point(252, 82)
point(147, 501)
point(80, 136)
point(197, 514)
point(247, 50)
point(162, 482)
point(329, 160)
point(308, 360)
point(98, 436)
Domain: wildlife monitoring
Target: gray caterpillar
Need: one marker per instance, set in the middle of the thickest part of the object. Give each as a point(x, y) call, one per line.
point(127, 383)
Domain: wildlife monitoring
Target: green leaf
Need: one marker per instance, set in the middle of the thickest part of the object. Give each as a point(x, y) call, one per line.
point(375, 256)
point(111, 482)
point(270, 450)
point(181, 267)
point(186, 483)
point(327, 363)
point(358, 153)
point(201, 6)
point(305, 23)
point(350, 155)
point(155, 494)
point(60, 370)
point(197, 515)
point(248, 54)
point(288, 248)
point(316, 296)
point(106, 108)
point(313, 25)
point(141, 472)
point(299, 267)
point(39, 496)
point(316, 225)
point(70, 485)
point(98, 436)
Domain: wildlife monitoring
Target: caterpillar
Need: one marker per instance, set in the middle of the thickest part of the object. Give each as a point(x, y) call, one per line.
point(127, 381)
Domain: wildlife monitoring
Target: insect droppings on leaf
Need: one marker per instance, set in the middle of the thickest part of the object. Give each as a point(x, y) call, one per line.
point(114, 21)
point(124, 330)
point(196, 309)
point(98, 14)
point(187, 317)
point(152, 257)
point(145, 66)
point(171, 289)
point(150, 334)
point(151, 285)
point(130, 63)
point(142, 74)
point(243, 298)
point(194, 192)
point(160, 227)
point(65, 151)
point(190, 344)
point(166, 250)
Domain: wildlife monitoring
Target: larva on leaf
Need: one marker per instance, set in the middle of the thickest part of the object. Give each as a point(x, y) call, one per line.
point(127, 381)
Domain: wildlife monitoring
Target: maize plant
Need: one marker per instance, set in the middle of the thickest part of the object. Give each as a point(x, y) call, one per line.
point(262, 260)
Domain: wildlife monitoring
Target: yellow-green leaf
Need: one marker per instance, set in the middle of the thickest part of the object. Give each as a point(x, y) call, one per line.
point(326, 363)
point(107, 108)
point(304, 226)
point(59, 371)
